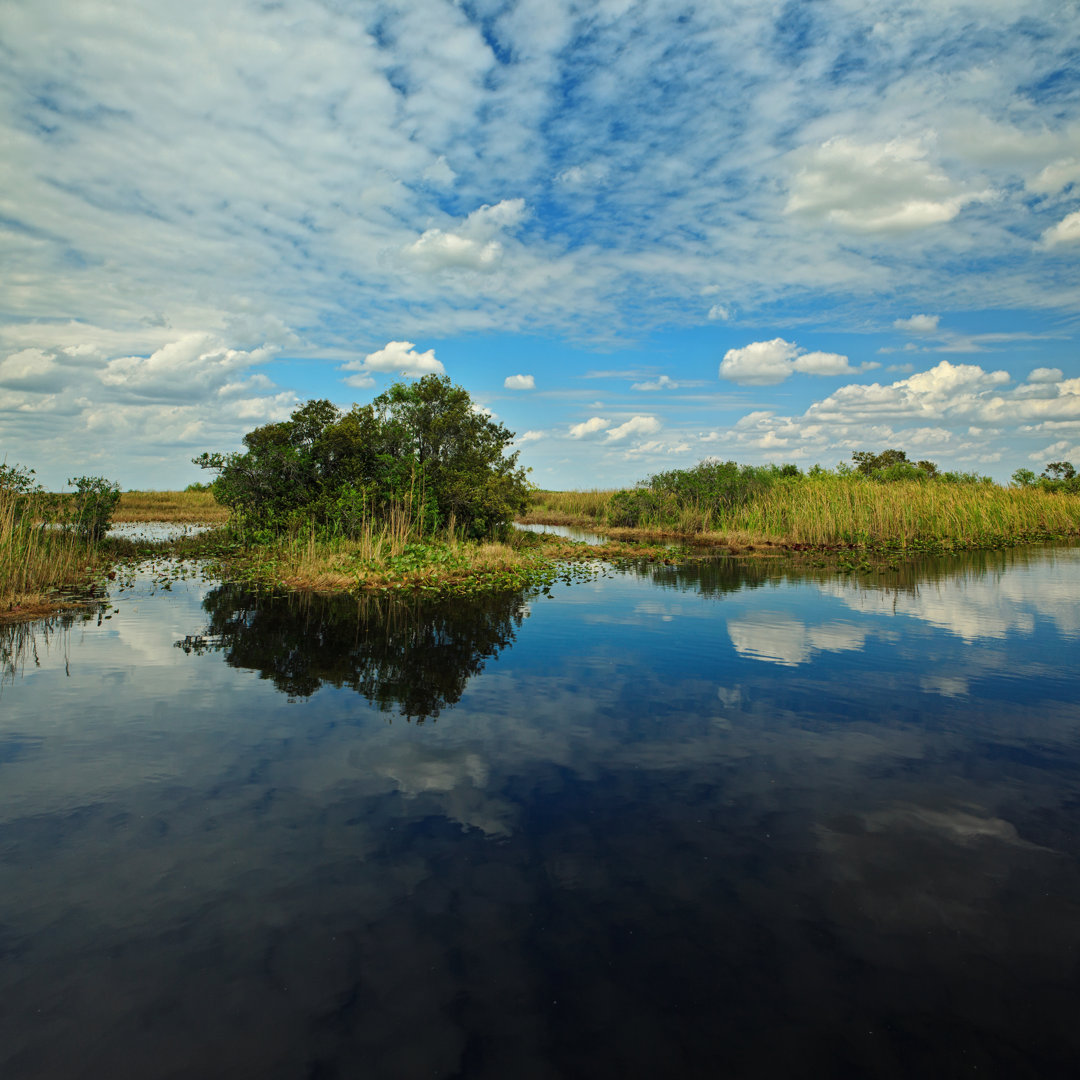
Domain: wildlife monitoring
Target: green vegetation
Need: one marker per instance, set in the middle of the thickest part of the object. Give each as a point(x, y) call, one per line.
point(421, 449)
point(1058, 476)
point(882, 501)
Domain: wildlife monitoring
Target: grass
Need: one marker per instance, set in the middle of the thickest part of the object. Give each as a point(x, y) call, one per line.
point(392, 557)
point(829, 511)
point(192, 507)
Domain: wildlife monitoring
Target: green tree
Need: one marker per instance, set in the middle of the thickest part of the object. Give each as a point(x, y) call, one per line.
point(93, 503)
point(893, 465)
point(421, 445)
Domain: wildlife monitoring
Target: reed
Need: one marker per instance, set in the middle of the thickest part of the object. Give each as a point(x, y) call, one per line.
point(36, 561)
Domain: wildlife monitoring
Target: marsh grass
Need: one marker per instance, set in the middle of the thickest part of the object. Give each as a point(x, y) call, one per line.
point(37, 562)
point(828, 510)
point(194, 507)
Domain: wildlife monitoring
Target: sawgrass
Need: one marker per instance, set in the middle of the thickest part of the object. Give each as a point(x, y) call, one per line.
point(830, 509)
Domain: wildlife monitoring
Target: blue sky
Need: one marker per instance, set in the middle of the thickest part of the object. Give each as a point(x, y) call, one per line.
point(640, 233)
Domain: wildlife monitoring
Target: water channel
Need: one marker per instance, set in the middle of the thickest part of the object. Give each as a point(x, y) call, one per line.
point(723, 820)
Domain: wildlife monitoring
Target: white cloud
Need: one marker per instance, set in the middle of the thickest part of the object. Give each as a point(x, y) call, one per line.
point(197, 362)
point(875, 187)
point(823, 363)
point(719, 313)
point(1056, 177)
point(636, 425)
point(918, 324)
point(761, 363)
point(1045, 375)
point(1066, 231)
point(519, 382)
point(663, 382)
point(589, 427)
point(473, 245)
point(395, 357)
point(766, 363)
point(529, 436)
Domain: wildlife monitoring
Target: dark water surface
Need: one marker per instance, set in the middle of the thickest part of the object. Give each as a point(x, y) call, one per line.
point(715, 822)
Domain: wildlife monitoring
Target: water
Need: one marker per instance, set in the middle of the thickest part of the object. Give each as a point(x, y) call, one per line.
point(156, 530)
point(571, 532)
point(695, 822)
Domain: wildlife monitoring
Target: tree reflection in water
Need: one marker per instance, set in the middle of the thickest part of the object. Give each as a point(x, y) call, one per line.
point(406, 653)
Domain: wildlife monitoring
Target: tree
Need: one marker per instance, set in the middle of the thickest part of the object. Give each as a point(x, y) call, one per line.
point(1060, 470)
point(420, 446)
point(893, 465)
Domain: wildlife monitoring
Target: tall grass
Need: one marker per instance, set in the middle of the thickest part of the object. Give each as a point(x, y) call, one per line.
point(35, 560)
point(196, 507)
point(550, 506)
point(830, 509)
point(852, 510)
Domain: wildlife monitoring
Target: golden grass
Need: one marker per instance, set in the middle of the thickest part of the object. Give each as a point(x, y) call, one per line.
point(195, 507)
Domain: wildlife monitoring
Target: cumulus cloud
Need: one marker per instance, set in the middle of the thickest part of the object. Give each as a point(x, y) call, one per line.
point(636, 425)
point(529, 436)
point(1066, 231)
point(589, 427)
point(946, 388)
point(475, 244)
point(1045, 375)
point(918, 324)
point(875, 187)
point(519, 382)
point(197, 362)
point(766, 363)
point(719, 313)
point(395, 357)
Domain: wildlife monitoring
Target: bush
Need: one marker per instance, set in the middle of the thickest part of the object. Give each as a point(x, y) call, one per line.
point(93, 504)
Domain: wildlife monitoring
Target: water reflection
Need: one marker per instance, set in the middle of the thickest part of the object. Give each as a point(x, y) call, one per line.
point(401, 654)
point(644, 846)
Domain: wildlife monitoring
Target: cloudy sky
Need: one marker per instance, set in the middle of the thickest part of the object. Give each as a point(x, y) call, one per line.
point(641, 233)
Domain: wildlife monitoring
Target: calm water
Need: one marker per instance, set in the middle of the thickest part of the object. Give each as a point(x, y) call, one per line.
point(712, 822)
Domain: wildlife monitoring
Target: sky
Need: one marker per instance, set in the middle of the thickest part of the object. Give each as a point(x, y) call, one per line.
point(639, 233)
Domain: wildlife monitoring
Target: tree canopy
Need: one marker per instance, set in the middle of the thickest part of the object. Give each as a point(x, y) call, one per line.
point(421, 446)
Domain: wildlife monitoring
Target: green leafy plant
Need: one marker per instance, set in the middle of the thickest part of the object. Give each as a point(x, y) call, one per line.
point(92, 505)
